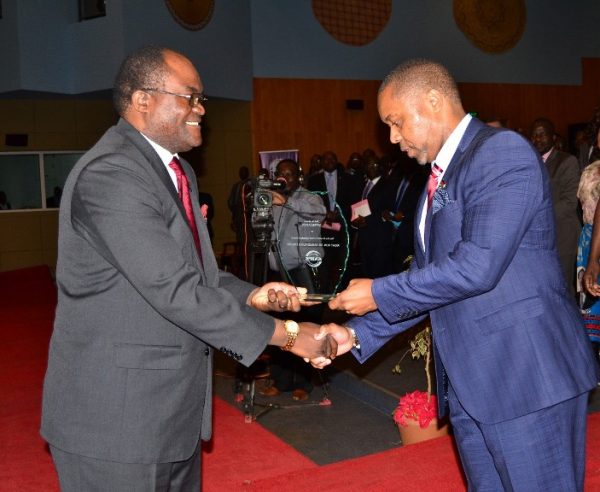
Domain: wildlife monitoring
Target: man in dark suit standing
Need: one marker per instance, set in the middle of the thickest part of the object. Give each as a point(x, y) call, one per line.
point(337, 187)
point(375, 235)
point(339, 191)
point(513, 363)
point(564, 173)
point(141, 303)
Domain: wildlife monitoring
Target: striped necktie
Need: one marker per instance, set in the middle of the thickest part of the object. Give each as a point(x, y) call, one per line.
point(433, 182)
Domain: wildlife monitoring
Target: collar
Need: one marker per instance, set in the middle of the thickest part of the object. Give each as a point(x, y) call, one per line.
point(165, 155)
point(451, 144)
point(547, 154)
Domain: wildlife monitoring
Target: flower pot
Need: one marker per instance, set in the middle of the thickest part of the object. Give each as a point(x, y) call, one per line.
point(413, 433)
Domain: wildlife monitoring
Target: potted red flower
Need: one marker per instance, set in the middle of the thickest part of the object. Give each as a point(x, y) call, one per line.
point(417, 406)
point(416, 413)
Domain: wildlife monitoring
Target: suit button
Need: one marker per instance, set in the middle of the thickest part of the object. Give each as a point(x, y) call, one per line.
point(207, 351)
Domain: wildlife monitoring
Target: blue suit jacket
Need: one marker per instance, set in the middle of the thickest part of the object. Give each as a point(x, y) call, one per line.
point(505, 331)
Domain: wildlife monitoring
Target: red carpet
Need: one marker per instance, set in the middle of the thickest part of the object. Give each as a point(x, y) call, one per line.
point(241, 457)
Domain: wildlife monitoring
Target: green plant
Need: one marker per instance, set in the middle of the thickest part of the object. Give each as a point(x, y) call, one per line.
point(420, 347)
point(418, 405)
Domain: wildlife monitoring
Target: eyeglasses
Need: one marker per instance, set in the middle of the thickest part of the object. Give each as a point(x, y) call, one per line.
point(194, 99)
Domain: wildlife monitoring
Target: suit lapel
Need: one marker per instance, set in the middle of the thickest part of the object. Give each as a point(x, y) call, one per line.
point(208, 261)
point(153, 159)
point(473, 129)
point(419, 250)
point(552, 163)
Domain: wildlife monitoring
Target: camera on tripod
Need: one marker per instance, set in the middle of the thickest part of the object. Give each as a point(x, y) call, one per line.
point(261, 200)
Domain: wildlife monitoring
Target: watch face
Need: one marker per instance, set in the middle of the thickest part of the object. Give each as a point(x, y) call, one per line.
point(291, 326)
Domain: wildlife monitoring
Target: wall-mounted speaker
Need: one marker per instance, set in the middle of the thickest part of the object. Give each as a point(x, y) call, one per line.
point(16, 139)
point(355, 104)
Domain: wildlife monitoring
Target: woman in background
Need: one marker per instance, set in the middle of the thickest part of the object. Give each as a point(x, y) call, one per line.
point(588, 194)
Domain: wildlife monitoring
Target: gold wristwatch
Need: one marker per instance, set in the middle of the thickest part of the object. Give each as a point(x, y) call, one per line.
point(291, 329)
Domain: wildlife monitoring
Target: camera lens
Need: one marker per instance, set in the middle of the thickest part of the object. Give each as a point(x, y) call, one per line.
point(263, 199)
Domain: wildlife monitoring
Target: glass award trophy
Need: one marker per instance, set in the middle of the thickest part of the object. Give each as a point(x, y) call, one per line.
point(310, 248)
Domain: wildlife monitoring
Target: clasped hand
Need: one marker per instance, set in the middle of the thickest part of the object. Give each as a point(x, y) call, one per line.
point(339, 334)
point(313, 343)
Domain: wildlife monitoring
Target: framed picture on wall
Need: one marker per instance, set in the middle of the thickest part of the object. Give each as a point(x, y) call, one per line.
point(90, 9)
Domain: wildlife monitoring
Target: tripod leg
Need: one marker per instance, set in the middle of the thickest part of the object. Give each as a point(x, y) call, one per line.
point(249, 408)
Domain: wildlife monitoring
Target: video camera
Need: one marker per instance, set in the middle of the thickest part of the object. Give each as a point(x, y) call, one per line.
point(261, 199)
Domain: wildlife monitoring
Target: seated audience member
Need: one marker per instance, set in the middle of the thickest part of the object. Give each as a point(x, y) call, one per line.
point(374, 234)
point(564, 181)
point(589, 150)
point(297, 215)
point(588, 194)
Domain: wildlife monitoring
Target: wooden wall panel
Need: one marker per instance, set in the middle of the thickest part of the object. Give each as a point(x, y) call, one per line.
point(311, 115)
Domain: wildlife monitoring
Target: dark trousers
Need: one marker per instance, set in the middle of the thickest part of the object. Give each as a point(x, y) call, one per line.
point(82, 474)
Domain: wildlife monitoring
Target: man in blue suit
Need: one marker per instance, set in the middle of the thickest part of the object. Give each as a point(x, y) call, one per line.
point(514, 367)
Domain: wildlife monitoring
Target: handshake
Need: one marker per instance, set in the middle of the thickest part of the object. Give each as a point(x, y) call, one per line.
point(316, 344)
point(319, 345)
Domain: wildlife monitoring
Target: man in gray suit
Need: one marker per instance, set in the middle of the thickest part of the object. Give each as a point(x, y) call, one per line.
point(127, 393)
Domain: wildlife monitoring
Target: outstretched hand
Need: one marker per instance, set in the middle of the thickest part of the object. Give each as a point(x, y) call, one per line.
point(357, 299)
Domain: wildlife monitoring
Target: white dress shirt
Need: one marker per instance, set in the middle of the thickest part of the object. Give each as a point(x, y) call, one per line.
point(442, 160)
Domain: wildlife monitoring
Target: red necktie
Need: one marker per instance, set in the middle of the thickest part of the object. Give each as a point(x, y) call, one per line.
point(432, 184)
point(183, 186)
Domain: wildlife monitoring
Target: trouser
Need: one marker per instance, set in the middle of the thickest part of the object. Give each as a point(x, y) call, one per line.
point(78, 473)
point(540, 451)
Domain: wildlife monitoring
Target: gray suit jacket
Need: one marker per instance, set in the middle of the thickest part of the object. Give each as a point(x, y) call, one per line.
point(130, 363)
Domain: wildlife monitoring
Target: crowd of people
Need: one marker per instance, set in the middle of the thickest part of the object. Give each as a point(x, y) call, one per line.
point(380, 235)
